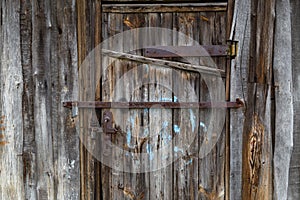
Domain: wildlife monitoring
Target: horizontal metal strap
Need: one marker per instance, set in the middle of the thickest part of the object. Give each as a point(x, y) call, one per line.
point(155, 105)
point(187, 51)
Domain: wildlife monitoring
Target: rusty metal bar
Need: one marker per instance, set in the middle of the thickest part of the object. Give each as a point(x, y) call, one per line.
point(158, 105)
point(187, 51)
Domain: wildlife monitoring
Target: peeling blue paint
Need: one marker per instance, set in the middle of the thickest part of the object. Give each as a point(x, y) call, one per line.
point(203, 126)
point(166, 138)
point(177, 149)
point(169, 99)
point(147, 68)
point(132, 121)
point(176, 129)
point(128, 137)
point(165, 124)
point(149, 151)
point(175, 99)
point(193, 120)
point(166, 99)
point(190, 161)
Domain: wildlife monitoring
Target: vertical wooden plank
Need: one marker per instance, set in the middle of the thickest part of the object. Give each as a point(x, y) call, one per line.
point(106, 184)
point(240, 31)
point(186, 168)
point(116, 71)
point(294, 171)
point(29, 148)
point(257, 135)
point(283, 98)
point(41, 68)
point(64, 76)
point(211, 185)
point(89, 35)
point(11, 142)
point(166, 82)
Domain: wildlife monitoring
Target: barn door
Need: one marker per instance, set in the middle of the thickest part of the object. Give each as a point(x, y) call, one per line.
point(155, 151)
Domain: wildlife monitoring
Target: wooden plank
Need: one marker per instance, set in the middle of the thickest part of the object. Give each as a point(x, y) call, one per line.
point(282, 72)
point(41, 47)
point(186, 165)
point(240, 31)
point(88, 38)
point(29, 149)
point(161, 8)
point(11, 89)
point(115, 71)
point(257, 133)
point(63, 74)
point(294, 171)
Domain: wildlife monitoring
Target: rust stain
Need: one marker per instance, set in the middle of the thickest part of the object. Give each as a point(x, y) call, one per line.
point(2, 143)
point(1, 136)
point(2, 128)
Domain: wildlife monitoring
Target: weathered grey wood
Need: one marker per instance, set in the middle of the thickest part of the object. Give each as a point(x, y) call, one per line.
point(294, 171)
point(211, 185)
point(240, 31)
point(11, 89)
point(282, 70)
point(161, 8)
point(64, 76)
point(163, 63)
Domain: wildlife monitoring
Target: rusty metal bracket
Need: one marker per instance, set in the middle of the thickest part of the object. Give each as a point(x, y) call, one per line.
point(157, 105)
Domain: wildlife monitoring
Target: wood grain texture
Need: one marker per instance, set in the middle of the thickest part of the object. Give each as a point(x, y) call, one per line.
point(294, 170)
point(282, 72)
point(42, 133)
point(240, 31)
point(257, 132)
point(11, 89)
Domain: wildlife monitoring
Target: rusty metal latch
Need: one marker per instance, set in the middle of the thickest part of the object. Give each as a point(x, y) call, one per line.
point(107, 123)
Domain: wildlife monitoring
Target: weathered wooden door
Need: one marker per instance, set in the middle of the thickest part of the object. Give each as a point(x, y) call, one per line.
point(157, 152)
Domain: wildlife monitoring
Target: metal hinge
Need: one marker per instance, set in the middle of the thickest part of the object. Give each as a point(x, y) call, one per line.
point(232, 48)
